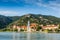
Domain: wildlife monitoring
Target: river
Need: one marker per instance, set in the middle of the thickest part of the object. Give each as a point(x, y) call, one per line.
point(29, 36)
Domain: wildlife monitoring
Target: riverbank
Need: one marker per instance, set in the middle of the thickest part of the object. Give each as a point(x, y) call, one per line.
point(30, 32)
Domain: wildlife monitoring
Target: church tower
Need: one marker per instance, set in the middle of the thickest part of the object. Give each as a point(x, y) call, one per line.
point(28, 27)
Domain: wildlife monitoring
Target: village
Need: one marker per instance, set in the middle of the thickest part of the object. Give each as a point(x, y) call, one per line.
point(33, 28)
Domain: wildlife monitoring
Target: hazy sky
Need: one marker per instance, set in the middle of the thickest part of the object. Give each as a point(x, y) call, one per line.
point(21, 7)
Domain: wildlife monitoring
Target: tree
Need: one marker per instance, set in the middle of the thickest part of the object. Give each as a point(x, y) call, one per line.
point(38, 28)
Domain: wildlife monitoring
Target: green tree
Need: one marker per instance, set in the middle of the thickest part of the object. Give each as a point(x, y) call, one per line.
point(38, 28)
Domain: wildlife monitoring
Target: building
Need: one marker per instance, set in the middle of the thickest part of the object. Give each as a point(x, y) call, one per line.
point(16, 27)
point(31, 26)
point(50, 27)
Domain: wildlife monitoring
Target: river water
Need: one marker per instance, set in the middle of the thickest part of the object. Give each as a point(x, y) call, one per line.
point(29, 36)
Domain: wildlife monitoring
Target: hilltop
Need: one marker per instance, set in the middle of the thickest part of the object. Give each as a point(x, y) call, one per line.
point(38, 19)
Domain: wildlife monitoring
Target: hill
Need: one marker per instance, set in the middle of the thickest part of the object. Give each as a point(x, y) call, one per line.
point(5, 20)
point(38, 19)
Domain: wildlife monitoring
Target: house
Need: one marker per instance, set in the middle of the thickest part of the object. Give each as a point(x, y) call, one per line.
point(16, 27)
point(33, 25)
point(50, 27)
point(24, 27)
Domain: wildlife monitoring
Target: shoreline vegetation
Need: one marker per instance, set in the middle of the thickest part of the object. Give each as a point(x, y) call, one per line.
point(41, 31)
point(30, 32)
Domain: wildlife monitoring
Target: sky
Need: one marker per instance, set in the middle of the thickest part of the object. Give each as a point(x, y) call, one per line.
point(21, 7)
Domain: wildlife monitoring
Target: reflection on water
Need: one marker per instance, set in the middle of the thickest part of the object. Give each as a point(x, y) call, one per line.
point(16, 36)
point(13, 36)
point(28, 36)
point(35, 36)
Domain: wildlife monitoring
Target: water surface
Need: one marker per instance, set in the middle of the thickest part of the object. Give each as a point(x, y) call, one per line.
point(29, 36)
